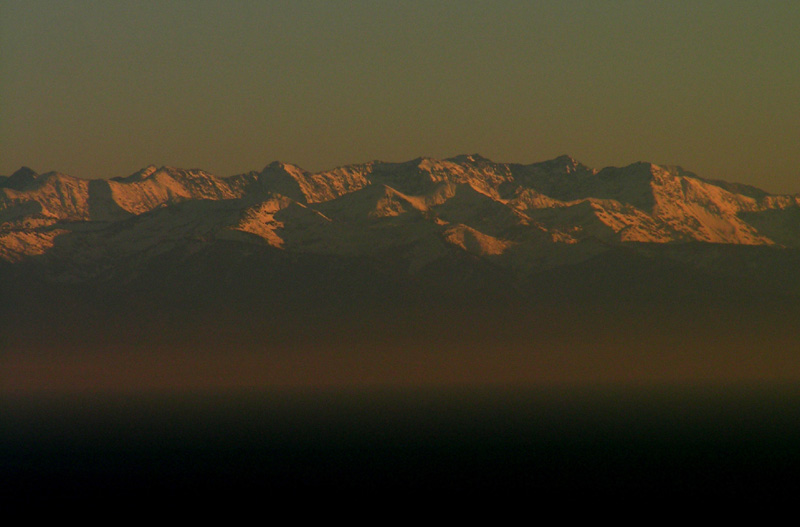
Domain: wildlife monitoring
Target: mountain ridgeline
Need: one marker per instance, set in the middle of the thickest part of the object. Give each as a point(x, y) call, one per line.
point(167, 245)
point(487, 209)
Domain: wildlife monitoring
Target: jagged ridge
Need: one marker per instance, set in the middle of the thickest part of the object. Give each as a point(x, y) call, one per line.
point(519, 216)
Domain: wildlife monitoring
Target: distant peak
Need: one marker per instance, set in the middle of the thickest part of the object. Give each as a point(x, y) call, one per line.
point(21, 178)
point(469, 158)
point(285, 167)
point(569, 162)
point(140, 175)
point(277, 165)
point(564, 163)
point(566, 159)
point(24, 172)
point(147, 171)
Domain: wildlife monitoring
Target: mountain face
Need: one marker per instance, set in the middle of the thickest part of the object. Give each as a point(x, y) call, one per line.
point(457, 228)
point(518, 217)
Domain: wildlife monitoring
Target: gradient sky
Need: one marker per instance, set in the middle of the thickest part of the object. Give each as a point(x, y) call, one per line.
point(100, 89)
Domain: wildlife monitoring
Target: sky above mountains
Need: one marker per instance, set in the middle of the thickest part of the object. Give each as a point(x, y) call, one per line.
point(100, 90)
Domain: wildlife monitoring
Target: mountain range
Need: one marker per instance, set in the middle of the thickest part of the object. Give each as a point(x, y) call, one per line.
point(440, 235)
point(507, 213)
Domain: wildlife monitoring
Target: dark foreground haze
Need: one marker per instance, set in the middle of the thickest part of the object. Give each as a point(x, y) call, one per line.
point(633, 401)
point(658, 384)
point(656, 442)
